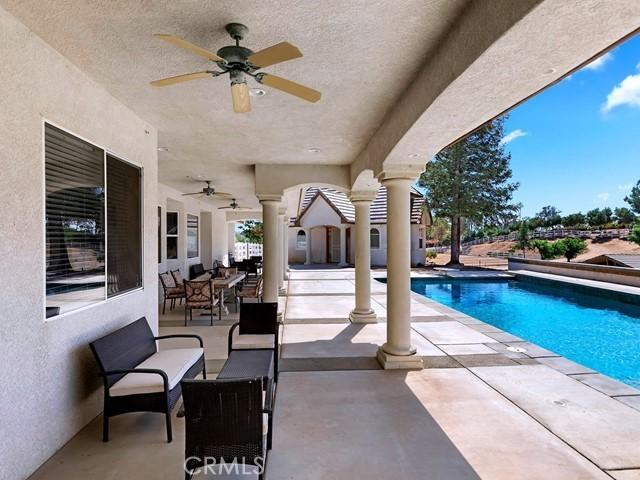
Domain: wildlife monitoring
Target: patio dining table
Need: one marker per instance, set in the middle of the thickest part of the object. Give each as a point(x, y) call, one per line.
point(220, 285)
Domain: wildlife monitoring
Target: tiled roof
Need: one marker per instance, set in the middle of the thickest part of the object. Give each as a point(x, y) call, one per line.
point(344, 207)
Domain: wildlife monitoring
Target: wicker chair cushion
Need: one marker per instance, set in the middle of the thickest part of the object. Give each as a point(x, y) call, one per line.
point(167, 280)
point(175, 291)
point(177, 276)
point(174, 362)
point(253, 341)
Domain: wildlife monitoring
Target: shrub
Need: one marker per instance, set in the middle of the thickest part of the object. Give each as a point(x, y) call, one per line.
point(570, 247)
point(545, 249)
point(634, 236)
point(431, 255)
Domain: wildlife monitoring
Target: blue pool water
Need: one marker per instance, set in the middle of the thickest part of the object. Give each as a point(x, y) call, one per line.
point(585, 326)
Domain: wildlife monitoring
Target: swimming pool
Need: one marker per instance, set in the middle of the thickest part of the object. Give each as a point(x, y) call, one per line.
point(583, 325)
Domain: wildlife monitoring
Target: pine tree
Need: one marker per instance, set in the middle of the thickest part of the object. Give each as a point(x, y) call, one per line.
point(633, 199)
point(471, 180)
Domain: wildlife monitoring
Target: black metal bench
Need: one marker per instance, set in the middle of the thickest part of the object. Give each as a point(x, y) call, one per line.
point(139, 378)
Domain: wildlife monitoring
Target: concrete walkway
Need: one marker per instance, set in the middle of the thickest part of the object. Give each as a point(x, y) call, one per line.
point(481, 408)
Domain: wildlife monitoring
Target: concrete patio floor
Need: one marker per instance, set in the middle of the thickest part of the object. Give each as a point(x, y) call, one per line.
point(478, 409)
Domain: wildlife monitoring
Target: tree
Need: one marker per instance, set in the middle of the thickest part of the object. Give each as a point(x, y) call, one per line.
point(634, 236)
point(624, 216)
point(570, 247)
point(438, 231)
point(251, 231)
point(471, 180)
point(598, 218)
point(574, 219)
point(545, 249)
point(549, 216)
point(523, 241)
point(633, 198)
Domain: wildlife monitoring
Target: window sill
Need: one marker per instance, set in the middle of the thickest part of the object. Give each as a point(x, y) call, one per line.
point(93, 305)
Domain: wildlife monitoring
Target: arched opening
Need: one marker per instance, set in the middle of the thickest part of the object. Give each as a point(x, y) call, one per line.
point(301, 240)
point(374, 238)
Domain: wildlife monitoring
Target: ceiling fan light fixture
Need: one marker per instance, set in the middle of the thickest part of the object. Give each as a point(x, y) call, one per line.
point(313, 150)
point(257, 92)
point(240, 92)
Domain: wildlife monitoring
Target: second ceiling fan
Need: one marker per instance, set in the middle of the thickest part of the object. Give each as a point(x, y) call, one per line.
point(240, 62)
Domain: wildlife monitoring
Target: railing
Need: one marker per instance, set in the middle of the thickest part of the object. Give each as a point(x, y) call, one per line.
point(245, 250)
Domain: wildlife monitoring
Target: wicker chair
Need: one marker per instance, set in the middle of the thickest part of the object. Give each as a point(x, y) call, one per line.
point(171, 291)
point(198, 295)
point(252, 290)
point(139, 378)
point(225, 422)
point(177, 277)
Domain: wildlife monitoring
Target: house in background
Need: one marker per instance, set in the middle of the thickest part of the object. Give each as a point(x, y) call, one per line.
point(323, 231)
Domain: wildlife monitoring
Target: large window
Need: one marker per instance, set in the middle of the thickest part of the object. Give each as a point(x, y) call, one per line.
point(192, 236)
point(124, 227)
point(374, 237)
point(172, 235)
point(92, 224)
point(301, 240)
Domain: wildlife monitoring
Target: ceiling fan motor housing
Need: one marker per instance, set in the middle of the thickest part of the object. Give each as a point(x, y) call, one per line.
point(235, 57)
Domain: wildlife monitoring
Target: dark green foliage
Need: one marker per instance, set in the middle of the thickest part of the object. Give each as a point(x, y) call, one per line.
point(634, 236)
point(570, 247)
point(545, 249)
point(574, 219)
point(251, 231)
point(549, 216)
point(633, 199)
point(599, 218)
point(624, 216)
point(471, 180)
point(523, 241)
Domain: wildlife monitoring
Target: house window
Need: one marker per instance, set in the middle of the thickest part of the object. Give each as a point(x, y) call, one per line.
point(374, 238)
point(89, 193)
point(159, 234)
point(172, 235)
point(192, 236)
point(301, 240)
point(124, 227)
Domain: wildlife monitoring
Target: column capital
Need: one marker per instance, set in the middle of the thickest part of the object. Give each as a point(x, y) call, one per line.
point(401, 172)
point(363, 196)
point(269, 198)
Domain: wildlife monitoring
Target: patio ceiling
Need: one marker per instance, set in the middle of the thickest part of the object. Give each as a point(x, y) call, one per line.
point(397, 78)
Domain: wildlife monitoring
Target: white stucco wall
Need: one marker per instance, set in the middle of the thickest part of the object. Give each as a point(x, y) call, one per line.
point(213, 230)
point(49, 384)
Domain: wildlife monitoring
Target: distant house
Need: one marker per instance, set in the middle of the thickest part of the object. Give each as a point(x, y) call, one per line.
point(326, 218)
point(629, 260)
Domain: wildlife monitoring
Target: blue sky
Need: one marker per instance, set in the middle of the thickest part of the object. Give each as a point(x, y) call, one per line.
point(576, 145)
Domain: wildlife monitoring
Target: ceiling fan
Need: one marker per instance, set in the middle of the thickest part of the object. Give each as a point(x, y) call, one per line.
point(233, 206)
point(209, 191)
point(239, 62)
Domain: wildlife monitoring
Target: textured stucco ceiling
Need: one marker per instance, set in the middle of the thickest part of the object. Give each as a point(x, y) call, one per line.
point(360, 53)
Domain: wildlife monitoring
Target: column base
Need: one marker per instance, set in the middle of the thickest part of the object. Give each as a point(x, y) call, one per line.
point(399, 362)
point(363, 317)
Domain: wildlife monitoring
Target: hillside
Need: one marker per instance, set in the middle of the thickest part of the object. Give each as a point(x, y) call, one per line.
point(593, 248)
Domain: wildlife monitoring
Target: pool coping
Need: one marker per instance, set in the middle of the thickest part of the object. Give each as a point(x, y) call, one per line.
point(598, 381)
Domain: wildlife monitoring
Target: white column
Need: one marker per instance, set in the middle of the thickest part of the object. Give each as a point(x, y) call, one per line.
point(307, 232)
point(363, 313)
point(281, 267)
point(398, 352)
point(343, 246)
point(285, 248)
point(271, 246)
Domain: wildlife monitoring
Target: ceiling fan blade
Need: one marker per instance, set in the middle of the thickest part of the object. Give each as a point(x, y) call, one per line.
point(224, 208)
point(221, 194)
point(287, 86)
point(179, 79)
point(179, 42)
point(278, 53)
point(240, 98)
point(193, 193)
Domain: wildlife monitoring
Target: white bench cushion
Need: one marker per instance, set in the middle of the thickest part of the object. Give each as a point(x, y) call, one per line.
point(253, 341)
point(174, 362)
point(265, 423)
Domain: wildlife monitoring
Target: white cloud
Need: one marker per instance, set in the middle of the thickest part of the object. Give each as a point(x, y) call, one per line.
point(626, 92)
point(599, 63)
point(625, 188)
point(511, 136)
point(603, 196)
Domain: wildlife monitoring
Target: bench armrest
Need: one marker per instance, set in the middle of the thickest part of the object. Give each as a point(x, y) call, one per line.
point(230, 343)
point(183, 335)
point(165, 378)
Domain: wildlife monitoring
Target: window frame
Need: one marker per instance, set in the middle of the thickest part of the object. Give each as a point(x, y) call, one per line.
point(172, 235)
point(301, 231)
point(43, 233)
point(197, 228)
point(379, 235)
